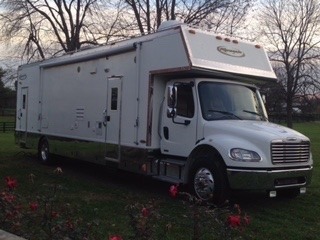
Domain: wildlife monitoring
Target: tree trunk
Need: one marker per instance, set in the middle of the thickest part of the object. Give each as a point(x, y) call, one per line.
point(289, 111)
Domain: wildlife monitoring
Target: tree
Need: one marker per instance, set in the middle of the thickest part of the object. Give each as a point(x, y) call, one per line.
point(292, 32)
point(274, 95)
point(43, 26)
point(150, 14)
point(7, 95)
point(2, 73)
point(229, 19)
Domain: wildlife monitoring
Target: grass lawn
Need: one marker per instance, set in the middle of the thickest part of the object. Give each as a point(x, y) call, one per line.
point(102, 197)
point(7, 118)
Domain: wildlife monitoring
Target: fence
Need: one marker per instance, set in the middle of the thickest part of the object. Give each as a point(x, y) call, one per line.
point(7, 112)
point(7, 126)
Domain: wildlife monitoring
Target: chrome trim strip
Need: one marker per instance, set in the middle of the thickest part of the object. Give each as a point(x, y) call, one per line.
point(267, 179)
point(291, 185)
point(270, 171)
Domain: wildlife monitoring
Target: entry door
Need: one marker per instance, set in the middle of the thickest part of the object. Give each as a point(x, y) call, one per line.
point(23, 112)
point(113, 118)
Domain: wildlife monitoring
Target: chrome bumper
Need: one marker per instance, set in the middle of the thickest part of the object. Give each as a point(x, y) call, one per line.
point(253, 179)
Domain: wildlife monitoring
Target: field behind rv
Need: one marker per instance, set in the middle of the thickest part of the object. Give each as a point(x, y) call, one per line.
point(103, 197)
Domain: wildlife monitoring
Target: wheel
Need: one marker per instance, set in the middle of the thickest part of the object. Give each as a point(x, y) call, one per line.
point(43, 152)
point(208, 180)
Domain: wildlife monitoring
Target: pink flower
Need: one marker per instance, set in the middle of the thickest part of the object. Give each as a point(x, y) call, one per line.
point(234, 221)
point(115, 237)
point(145, 212)
point(34, 206)
point(173, 191)
point(11, 183)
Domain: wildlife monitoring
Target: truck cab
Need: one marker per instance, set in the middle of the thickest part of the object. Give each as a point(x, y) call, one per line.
point(221, 128)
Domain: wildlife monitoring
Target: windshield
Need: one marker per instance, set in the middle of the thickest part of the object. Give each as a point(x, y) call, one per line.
point(230, 101)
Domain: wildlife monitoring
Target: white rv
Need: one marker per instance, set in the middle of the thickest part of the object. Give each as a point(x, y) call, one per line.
point(179, 105)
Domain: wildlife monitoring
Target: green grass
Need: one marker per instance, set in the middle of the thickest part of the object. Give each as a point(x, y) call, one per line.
point(104, 195)
point(7, 118)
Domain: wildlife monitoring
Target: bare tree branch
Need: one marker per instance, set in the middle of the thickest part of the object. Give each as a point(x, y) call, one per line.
point(46, 27)
point(149, 14)
point(292, 29)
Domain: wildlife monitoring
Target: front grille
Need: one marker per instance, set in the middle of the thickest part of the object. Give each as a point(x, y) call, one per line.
point(289, 152)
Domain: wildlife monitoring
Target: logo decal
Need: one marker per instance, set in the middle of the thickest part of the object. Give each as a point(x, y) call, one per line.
point(232, 52)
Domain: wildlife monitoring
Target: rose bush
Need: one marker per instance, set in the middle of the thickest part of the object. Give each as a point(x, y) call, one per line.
point(224, 222)
point(41, 215)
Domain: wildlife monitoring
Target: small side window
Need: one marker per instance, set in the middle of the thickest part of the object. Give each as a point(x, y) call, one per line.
point(114, 98)
point(24, 100)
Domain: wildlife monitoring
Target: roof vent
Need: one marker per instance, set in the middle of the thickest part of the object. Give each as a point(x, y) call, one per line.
point(169, 24)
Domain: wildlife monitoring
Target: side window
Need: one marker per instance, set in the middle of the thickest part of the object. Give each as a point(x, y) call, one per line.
point(114, 98)
point(24, 100)
point(185, 103)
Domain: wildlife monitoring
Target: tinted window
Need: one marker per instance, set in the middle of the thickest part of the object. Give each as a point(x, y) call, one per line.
point(185, 103)
point(114, 98)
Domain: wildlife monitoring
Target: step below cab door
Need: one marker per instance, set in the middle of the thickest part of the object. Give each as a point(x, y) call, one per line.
point(179, 121)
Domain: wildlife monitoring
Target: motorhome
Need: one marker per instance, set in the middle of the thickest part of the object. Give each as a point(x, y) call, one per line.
point(180, 105)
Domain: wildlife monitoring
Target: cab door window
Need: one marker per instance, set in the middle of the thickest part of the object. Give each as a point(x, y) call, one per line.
point(185, 102)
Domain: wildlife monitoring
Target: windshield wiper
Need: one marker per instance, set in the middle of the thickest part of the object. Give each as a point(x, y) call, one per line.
point(225, 113)
point(255, 113)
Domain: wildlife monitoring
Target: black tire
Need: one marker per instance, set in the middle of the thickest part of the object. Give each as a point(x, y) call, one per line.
point(43, 152)
point(208, 180)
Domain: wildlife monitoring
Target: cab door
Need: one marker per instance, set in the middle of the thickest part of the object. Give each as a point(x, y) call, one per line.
point(179, 121)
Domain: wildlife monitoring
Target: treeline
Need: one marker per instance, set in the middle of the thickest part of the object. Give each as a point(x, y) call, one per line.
point(7, 95)
point(296, 117)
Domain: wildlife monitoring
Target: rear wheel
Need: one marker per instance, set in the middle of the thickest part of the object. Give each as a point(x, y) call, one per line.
point(208, 180)
point(43, 152)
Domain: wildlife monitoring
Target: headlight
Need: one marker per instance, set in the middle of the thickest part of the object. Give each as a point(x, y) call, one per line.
point(243, 155)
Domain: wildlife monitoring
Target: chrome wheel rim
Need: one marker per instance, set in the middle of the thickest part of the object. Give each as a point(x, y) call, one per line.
point(204, 183)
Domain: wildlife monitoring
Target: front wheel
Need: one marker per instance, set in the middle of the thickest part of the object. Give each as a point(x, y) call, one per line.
point(43, 152)
point(208, 180)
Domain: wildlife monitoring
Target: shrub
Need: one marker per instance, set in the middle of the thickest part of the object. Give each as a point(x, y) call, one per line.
point(41, 215)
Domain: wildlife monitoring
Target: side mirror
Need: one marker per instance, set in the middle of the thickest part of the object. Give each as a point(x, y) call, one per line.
point(172, 101)
point(172, 96)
